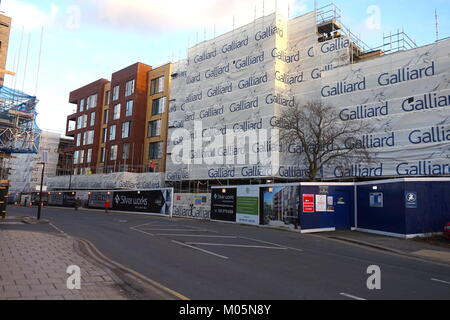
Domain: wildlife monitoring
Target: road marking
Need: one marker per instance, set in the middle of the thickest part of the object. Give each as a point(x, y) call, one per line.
point(352, 297)
point(184, 230)
point(163, 226)
point(441, 281)
point(194, 235)
point(138, 230)
point(274, 244)
point(196, 228)
point(234, 245)
point(177, 228)
point(199, 249)
point(58, 229)
point(141, 225)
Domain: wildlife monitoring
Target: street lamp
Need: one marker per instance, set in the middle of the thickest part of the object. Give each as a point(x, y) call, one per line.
point(40, 192)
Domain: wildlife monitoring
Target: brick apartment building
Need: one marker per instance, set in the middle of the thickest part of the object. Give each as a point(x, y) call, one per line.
point(121, 125)
point(123, 139)
point(157, 119)
point(84, 126)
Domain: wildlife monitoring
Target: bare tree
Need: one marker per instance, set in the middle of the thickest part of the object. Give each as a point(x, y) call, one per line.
point(325, 139)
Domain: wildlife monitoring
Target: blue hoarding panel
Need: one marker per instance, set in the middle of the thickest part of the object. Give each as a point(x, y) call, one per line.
point(432, 206)
point(408, 208)
point(339, 211)
point(387, 215)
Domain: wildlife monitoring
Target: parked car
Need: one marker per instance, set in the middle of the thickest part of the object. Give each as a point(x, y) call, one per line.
point(447, 231)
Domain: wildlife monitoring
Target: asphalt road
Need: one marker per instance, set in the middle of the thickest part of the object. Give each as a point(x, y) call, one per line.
point(215, 261)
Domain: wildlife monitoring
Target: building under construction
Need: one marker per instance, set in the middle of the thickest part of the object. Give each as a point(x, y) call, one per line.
point(18, 130)
point(243, 81)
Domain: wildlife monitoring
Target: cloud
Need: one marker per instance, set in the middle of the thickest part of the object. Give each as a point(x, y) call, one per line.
point(52, 111)
point(28, 15)
point(170, 15)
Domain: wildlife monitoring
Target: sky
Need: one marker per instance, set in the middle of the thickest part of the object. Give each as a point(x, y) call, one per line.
point(85, 40)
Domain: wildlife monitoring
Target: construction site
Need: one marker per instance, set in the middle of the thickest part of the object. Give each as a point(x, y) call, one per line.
point(245, 79)
point(19, 133)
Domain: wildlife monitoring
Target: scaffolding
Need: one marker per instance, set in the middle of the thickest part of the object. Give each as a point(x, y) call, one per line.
point(329, 26)
point(398, 41)
point(19, 132)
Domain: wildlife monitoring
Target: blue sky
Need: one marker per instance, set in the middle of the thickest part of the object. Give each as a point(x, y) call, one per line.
point(86, 40)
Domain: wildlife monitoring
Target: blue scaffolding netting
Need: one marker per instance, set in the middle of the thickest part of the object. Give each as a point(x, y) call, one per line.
point(19, 132)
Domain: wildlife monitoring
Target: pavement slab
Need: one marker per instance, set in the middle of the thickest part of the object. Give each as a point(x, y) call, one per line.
point(397, 245)
point(434, 254)
point(34, 264)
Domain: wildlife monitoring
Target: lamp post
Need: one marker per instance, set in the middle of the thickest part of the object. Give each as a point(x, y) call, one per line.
point(40, 193)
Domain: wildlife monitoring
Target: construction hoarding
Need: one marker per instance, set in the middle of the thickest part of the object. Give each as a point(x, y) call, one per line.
point(242, 81)
point(192, 205)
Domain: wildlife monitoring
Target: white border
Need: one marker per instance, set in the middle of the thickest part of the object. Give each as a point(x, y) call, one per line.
point(345, 184)
point(402, 180)
point(258, 185)
point(331, 184)
point(398, 235)
point(317, 230)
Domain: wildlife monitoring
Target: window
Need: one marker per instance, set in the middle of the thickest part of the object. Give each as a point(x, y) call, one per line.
point(92, 119)
point(159, 106)
point(104, 132)
point(88, 137)
point(129, 88)
point(82, 105)
point(157, 85)
point(126, 129)
point(78, 139)
point(72, 125)
point(155, 151)
point(91, 102)
point(105, 116)
point(154, 129)
point(116, 93)
point(89, 156)
point(126, 151)
point(112, 133)
point(107, 97)
point(81, 160)
point(102, 155)
point(76, 157)
point(113, 154)
point(79, 122)
point(85, 121)
point(117, 108)
point(129, 108)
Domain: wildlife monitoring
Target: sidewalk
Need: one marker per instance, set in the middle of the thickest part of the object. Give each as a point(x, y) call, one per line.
point(401, 246)
point(33, 267)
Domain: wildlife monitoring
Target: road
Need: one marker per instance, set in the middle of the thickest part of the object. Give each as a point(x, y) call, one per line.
point(216, 261)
